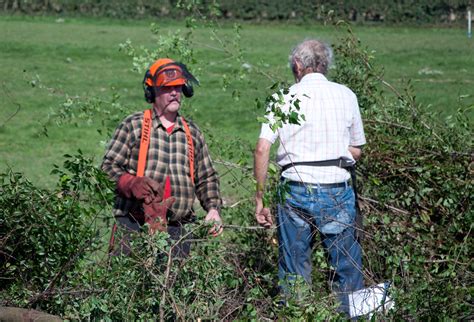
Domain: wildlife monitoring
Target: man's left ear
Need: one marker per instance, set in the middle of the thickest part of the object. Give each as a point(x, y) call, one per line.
point(188, 90)
point(297, 70)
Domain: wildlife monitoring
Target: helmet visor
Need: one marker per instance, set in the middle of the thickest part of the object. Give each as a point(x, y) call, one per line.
point(169, 76)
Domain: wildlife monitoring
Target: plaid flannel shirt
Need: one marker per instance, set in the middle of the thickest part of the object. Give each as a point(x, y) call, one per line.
point(167, 156)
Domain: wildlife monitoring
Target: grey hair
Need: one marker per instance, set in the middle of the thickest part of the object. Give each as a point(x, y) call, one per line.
point(312, 54)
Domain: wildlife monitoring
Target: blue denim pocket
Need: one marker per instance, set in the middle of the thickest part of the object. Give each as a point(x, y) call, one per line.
point(336, 210)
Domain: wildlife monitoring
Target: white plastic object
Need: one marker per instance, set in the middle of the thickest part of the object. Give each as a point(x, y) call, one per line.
point(369, 300)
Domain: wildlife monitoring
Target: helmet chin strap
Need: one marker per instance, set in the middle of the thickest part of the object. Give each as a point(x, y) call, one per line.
point(162, 111)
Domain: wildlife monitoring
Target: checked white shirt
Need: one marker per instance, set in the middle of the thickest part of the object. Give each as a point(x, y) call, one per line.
point(332, 124)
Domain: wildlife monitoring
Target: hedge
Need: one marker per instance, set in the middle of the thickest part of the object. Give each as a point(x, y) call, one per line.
point(381, 11)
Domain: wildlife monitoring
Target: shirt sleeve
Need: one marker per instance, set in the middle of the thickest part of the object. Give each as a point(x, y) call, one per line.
point(116, 157)
point(357, 136)
point(266, 131)
point(207, 179)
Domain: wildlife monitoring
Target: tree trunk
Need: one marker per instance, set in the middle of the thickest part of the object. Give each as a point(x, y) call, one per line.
point(16, 314)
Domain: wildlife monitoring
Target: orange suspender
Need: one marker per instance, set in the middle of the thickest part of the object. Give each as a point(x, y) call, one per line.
point(189, 138)
point(145, 142)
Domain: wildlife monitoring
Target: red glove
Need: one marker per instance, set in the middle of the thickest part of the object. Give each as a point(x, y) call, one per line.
point(155, 213)
point(141, 188)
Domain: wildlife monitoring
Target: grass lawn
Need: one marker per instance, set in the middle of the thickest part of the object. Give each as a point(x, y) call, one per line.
point(80, 58)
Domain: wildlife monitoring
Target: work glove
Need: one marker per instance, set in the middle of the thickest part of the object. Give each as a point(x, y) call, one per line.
point(141, 188)
point(155, 213)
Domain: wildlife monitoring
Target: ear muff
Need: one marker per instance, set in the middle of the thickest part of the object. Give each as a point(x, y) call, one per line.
point(149, 91)
point(188, 90)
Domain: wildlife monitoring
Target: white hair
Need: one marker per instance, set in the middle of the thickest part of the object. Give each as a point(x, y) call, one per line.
point(313, 54)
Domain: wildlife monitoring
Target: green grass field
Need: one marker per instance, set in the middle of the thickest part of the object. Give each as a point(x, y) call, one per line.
point(80, 58)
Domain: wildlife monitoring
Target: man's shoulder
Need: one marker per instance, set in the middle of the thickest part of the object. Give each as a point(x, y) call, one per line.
point(196, 133)
point(136, 116)
point(318, 82)
point(192, 125)
point(133, 120)
point(341, 87)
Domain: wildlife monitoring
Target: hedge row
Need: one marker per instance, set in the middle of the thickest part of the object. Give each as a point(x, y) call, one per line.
point(398, 11)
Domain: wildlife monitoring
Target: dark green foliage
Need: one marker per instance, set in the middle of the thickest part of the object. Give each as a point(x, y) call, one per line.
point(45, 234)
point(53, 248)
point(417, 192)
point(440, 11)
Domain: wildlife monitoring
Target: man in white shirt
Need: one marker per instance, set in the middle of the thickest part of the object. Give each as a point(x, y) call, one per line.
point(319, 195)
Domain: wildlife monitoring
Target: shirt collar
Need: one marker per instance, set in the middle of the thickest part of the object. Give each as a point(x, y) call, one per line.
point(313, 77)
point(178, 124)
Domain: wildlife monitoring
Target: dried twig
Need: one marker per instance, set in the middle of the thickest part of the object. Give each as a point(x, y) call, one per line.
point(18, 105)
point(248, 227)
point(385, 205)
point(233, 165)
point(390, 123)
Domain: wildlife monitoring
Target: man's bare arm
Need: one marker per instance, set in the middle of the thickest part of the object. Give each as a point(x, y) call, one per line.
point(356, 152)
point(261, 160)
point(260, 166)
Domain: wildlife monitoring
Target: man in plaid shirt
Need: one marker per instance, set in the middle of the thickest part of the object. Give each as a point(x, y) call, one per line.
point(319, 197)
point(167, 189)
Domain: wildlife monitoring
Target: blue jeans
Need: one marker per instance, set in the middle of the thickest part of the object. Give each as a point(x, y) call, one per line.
point(309, 209)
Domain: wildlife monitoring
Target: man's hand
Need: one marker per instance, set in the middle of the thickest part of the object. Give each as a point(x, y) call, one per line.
point(263, 215)
point(141, 188)
point(213, 216)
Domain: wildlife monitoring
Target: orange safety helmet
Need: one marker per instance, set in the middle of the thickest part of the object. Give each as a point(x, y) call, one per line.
point(167, 72)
